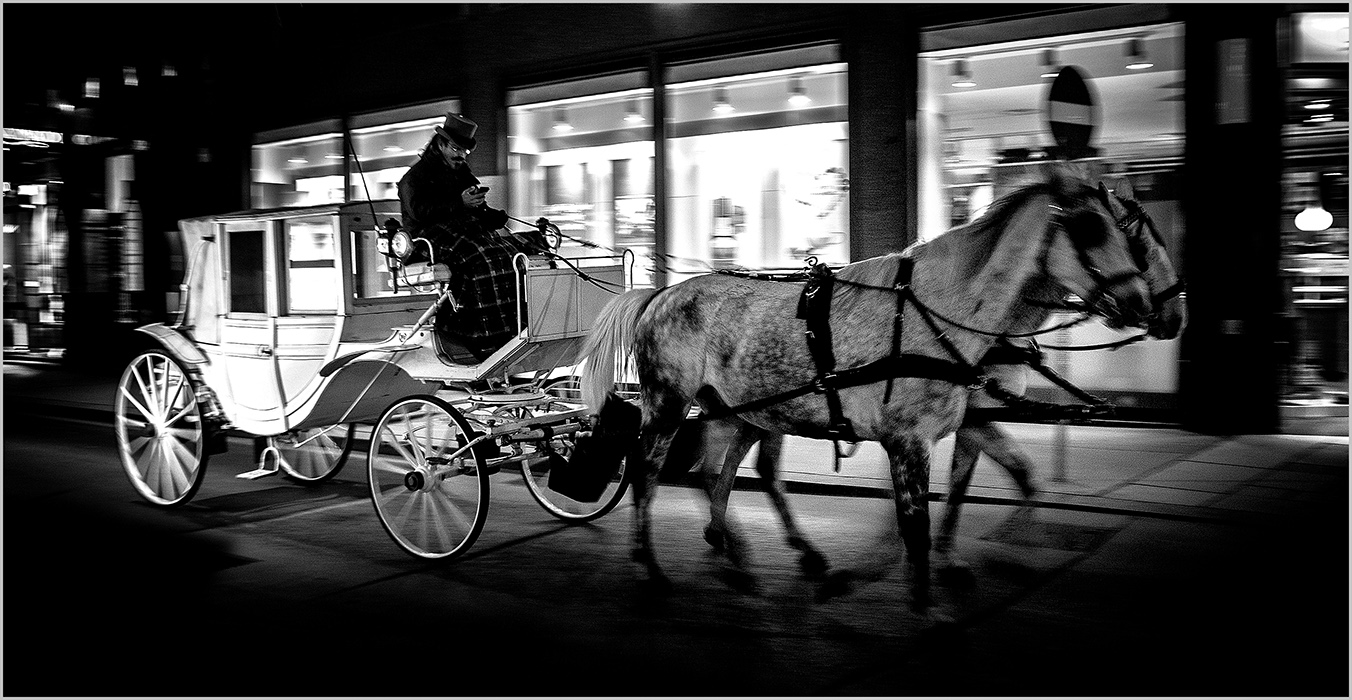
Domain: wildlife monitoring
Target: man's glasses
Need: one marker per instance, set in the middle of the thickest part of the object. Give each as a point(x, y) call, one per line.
point(456, 148)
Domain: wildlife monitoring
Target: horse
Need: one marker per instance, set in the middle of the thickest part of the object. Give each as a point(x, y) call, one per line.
point(728, 343)
point(731, 439)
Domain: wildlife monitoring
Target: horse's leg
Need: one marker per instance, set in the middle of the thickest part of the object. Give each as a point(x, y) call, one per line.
point(662, 415)
point(811, 561)
point(908, 458)
point(967, 448)
point(726, 443)
point(1000, 446)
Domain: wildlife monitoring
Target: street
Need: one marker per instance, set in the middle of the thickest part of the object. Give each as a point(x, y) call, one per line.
point(273, 588)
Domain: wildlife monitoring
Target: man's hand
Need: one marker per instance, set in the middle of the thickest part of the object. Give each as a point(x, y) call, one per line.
point(472, 197)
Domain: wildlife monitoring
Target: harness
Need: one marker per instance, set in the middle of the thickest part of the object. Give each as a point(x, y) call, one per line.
point(814, 308)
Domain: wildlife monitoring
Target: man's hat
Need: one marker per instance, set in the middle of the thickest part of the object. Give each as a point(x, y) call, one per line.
point(459, 130)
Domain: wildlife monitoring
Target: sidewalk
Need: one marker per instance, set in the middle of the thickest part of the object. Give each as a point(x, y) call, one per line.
point(1153, 471)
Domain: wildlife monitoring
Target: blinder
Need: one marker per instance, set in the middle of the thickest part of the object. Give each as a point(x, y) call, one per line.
point(1086, 232)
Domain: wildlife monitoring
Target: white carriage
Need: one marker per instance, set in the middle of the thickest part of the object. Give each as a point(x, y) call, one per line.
point(298, 328)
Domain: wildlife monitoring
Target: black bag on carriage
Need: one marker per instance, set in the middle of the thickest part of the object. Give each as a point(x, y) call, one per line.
point(597, 458)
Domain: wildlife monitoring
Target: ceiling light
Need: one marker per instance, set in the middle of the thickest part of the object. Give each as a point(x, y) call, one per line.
point(1049, 64)
point(297, 161)
point(335, 156)
point(721, 104)
point(390, 149)
point(1318, 104)
point(1136, 58)
point(797, 93)
point(168, 71)
point(561, 121)
point(91, 90)
point(1319, 118)
point(1314, 217)
point(129, 76)
point(633, 115)
point(962, 77)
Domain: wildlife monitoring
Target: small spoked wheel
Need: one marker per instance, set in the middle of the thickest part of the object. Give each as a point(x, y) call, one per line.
point(430, 490)
point(160, 436)
point(536, 472)
point(316, 455)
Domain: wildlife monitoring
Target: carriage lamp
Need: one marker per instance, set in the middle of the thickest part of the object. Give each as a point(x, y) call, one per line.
point(401, 245)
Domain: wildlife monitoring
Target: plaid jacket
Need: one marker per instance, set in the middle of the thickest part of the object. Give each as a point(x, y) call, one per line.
point(482, 280)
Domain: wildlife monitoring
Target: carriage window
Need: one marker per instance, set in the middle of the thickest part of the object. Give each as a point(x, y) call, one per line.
point(312, 282)
point(248, 280)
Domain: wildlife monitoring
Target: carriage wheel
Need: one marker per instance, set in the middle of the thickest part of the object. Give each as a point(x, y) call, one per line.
point(316, 455)
point(429, 490)
point(536, 473)
point(160, 436)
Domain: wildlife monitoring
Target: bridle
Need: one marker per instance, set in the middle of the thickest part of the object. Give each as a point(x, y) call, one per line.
point(1136, 224)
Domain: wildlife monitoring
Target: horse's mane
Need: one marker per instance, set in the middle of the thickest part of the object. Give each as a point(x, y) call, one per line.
point(979, 236)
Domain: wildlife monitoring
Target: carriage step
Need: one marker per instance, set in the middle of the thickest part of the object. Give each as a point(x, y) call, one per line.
point(256, 474)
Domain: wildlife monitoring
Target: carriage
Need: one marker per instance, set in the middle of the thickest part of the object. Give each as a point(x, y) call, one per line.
point(302, 328)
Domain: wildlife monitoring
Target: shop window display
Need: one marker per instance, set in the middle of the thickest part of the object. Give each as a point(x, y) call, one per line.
point(983, 131)
point(581, 154)
point(758, 165)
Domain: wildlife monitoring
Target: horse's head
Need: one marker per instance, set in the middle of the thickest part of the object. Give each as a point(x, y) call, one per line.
point(1089, 256)
point(1169, 308)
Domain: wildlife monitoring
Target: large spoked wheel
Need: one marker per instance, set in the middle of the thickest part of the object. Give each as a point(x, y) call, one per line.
point(536, 472)
point(316, 455)
point(429, 488)
point(160, 435)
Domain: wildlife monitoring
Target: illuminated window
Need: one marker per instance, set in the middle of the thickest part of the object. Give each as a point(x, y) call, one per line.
point(758, 157)
point(388, 143)
point(581, 154)
point(311, 267)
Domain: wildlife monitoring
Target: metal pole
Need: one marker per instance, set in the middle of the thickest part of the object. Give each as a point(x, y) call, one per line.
point(1061, 437)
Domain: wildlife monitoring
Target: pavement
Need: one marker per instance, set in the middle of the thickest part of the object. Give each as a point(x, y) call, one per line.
point(1158, 471)
point(1160, 562)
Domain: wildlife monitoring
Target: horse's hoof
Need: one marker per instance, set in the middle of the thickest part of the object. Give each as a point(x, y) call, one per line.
point(714, 537)
point(814, 566)
point(837, 583)
point(955, 573)
point(739, 580)
point(656, 586)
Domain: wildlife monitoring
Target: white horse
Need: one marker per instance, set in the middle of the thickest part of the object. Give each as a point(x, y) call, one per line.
point(726, 341)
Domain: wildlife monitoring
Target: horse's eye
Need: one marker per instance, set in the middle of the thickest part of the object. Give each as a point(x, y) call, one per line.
point(1086, 229)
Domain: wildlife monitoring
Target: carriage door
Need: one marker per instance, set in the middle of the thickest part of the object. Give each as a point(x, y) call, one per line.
point(284, 295)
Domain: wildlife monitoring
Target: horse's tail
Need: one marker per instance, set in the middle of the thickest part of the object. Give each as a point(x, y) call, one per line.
point(609, 346)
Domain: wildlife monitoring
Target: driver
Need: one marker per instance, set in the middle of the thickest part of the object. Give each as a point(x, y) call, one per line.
point(442, 201)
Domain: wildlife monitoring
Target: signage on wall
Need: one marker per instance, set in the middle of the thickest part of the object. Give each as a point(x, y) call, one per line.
point(1072, 114)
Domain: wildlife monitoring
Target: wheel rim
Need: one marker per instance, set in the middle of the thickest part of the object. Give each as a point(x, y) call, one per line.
point(430, 493)
point(317, 454)
point(159, 430)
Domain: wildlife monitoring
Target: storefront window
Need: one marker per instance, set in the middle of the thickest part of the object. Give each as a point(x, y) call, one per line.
point(1314, 224)
point(758, 161)
point(581, 155)
point(303, 165)
point(983, 132)
point(387, 143)
point(301, 170)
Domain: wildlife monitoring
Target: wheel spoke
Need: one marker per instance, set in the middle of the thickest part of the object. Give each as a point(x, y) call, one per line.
point(413, 441)
point(450, 505)
point(178, 416)
point(136, 444)
point(146, 461)
point(185, 458)
point(437, 508)
point(393, 441)
point(145, 392)
point(389, 466)
point(137, 404)
point(184, 434)
point(179, 469)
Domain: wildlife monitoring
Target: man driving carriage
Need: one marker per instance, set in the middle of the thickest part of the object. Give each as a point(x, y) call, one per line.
point(442, 201)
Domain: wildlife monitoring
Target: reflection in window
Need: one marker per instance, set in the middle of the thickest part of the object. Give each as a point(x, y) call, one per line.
point(759, 164)
point(248, 281)
point(581, 155)
point(312, 282)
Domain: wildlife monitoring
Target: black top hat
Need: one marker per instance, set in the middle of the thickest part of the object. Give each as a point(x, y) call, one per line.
point(459, 129)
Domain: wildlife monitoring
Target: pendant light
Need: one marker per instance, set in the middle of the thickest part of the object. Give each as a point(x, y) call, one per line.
point(1049, 63)
point(962, 76)
point(1315, 217)
point(561, 124)
point(721, 104)
point(797, 93)
point(1136, 58)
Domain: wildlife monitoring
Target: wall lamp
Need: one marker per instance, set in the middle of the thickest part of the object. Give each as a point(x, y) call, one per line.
point(962, 75)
